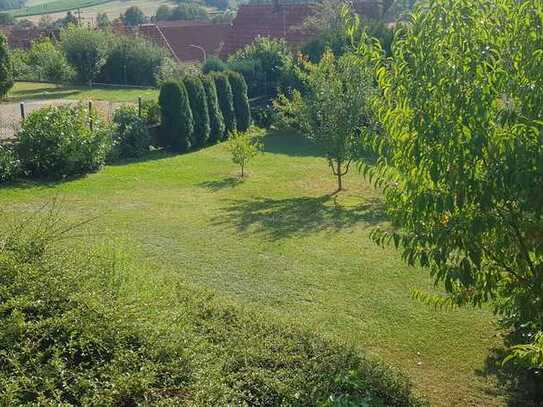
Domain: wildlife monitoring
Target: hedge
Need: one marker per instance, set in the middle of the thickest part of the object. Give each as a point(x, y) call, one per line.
point(177, 123)
point(226, 102)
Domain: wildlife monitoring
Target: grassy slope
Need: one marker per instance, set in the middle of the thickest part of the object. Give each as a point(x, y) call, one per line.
point(55, 6)
point(279, 244)
point(26, 91)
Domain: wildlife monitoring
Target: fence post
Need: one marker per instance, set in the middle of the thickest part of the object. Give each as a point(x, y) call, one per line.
point(22, 104)
point(90, 114)
point(139, 106)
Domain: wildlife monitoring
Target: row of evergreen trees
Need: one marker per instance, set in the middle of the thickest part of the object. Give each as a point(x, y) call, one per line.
point(201, 110)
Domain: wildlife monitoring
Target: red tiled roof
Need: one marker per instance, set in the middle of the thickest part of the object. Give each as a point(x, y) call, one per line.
point(180, 36)
point(23, 38)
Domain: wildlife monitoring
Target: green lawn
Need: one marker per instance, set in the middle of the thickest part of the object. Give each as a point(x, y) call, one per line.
point(278, 243)
point(27, 91)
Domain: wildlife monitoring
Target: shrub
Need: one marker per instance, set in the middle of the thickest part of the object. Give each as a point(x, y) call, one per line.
point(241, 101)
point(244, 146)
point(133, 16)
point(213, 64)
point(216, 121)
point(131, 137)
point(6, 69)
point(85, 50)
point(48, 63)
point(9, 164)
point(226, 102)
point(177, 122)
point(198, 104)
point(150, 111)
point(57, 142)
point(133, 61)
point(264, 116)
point(67, 338)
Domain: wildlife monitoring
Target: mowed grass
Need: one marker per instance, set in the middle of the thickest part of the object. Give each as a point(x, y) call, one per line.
point(28, 91)
point(278, 242)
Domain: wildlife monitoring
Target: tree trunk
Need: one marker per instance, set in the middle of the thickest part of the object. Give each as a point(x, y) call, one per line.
point(242, 171)
point(339, 175)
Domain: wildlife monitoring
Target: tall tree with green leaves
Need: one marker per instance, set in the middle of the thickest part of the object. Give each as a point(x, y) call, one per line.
point(333, 111)
point(461, 153)
point(85, 49)
point(200, 113)
point(241, 101)
point(216, 121)
point(177, 124)
point(6, 70)
point(226, 102)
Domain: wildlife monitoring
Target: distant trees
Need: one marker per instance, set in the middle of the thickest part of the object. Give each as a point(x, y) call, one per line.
point(133, 16)
point(6, 70)
point(102, 21)
point(184, 11)
point(85, 50)
point(47, 62)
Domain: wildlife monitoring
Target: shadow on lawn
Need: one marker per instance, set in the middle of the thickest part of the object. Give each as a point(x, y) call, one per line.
point(281, 218)
point(223, 183)
point(520, 386)
point(289, 142)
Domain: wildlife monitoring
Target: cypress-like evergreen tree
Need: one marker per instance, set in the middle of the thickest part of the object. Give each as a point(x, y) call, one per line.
point(6, 71)
point(216, 121)
point(226, 102)
point(241, 101)
point(177, 124)
point(200, 115)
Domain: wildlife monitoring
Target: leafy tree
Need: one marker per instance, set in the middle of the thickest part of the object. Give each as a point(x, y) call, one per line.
point(131, 137)
point(264, 64)
point(200, 114)
point(182, 12)
point(244, 146)
point(462, 157)
point(226, 102)
point(216, 121)
point(241, 101)
point(6, 70)
point(219, 4)
point(133, 16)
point(213, 64)
point(334, 110)
point(85, 49)
point(163, 13)
point(177, 124)
point(48, 62)
point(69, 19)
point(102, 21)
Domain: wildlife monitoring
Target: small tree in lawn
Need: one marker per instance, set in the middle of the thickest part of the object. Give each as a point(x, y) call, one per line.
point(244, 146)
point(333, 112)
point(6, 71)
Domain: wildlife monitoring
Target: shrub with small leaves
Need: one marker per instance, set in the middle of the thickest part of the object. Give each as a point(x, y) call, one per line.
point(150, 111)
point(226, 102)
point(241, 101)
point(244, 146)
point(216, 120)
point(131, 137)
point(198, 105)
point(57, 142)
point(9, 164)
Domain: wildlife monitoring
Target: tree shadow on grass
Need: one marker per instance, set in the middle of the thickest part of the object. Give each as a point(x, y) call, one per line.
point(289, 142)
point(282, 218)
point(223, 183)
point(520, 386)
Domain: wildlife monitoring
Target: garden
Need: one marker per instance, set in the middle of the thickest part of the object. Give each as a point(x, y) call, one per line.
point(283, 230)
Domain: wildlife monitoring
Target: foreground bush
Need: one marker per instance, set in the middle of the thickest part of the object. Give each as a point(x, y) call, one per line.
point(130, 136)
point(198, 105)
point(74, 332)
point(226, 102)
point(244, 146)
point(57, 142)
point(216, 120)
point(241, 101)
point(176, 117)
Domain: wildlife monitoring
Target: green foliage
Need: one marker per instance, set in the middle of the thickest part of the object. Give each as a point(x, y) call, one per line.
point(461, 152)
point(244, 146)
point(102, 21)
point(133, 16)
point(200, 114)
point(334, 110)
point(85, 49)
point(176, 117)
point(7, 19)
point(9, 164)
point(264, 115)
point(213, 64)
point(241, 101)
point(264, 64)
point(11, 4)
point(216, 120)
point(132, 61)
point(150, 111)
point(226, 102)
point(48, 62)
point(56, 142)
point(130, 135)
point(6, 69)
point(185, 11)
